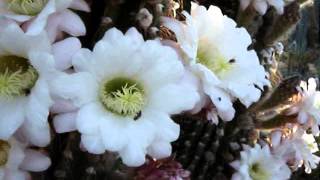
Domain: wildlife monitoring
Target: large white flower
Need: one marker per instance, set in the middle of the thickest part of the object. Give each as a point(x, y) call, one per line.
point(16, 160)
point(37, 13)
point(126, 90)
point(216, 50)
point(258, 163)
point(262, 5)
point(308, 108)
point(25, 68)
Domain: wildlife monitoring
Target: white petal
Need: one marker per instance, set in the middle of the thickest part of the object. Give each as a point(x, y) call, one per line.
point(174, 99)
point(276, 138)
point(44, 64)
point(80, 5)
point(74, 87)
point(114, 132)
point(160, 150)
point(83, 61)
point(15, 175)
point(65, 122)
point(71, 23)
point(37, 112)
point(16, 155)
point(35, 161)
point(17, 17)
point(302, 117)
point(37, 134)
point(62, 106)
point(89, 117)
point(13, 33)
point(2, 171)
point(164, 68)
point(62, 4)
point(167, 129)
point(222, 102)
point(63, 52)
point(12, 117)
point(38, 24)
point(93, 143)
point(133, 155)
point(261, 6)
point(135, 36)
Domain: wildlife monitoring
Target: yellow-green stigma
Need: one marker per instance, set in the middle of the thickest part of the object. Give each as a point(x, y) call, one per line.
point(122, 96)
point(214, 61)
point(256, 172)
point(4, 152)
point(17, 77)
point(26, 7)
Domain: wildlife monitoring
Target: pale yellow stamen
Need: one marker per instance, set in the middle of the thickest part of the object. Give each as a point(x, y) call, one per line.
point(26, 7)
point(213, 60)
point(257, 172)
point(122, 96)
point(17, 77)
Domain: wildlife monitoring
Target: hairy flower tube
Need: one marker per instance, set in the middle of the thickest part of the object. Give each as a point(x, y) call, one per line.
point(126, 89)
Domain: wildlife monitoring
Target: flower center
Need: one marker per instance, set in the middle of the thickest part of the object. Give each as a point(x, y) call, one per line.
point(213, 60)
point(122, 96)
point(258, 173)
point(26, 7)
point(4, 152)
point(17, 77)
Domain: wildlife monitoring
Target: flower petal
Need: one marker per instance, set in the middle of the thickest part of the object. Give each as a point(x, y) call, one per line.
point(62, 106)
point(178, 98)
point(65, 86)
point(93, 143)
point(133, 155)
point(38, 24)
point(65, 122)
point(89, 117)
point(260, 6)
point(71, 23)
point(35, 161)
point(12, 117)
point(80, 5)
point(160, 150)
point(63, 52)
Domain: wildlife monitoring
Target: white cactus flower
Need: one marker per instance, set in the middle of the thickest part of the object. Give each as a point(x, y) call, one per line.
point(126, 90)
point(216, 50)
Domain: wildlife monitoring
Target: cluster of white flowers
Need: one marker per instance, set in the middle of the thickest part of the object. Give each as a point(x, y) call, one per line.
point(291, 145)
point(121, 95)
point(33, 40)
